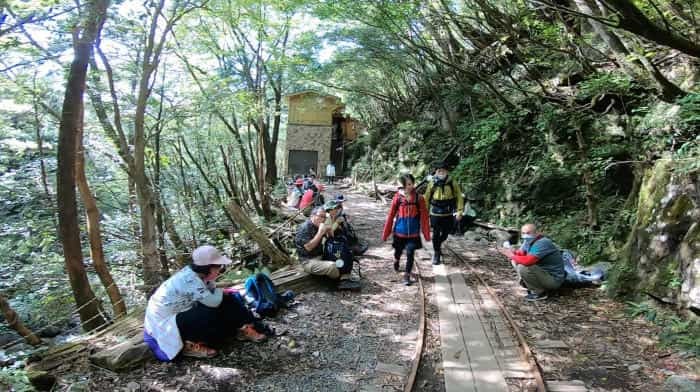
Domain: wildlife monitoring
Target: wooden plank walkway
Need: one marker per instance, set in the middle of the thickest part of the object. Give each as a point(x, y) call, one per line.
point(469, 360)
point(473, 323)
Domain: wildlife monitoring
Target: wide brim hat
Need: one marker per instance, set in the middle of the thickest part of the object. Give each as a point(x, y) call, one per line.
point(339, 198)
point(209, 255)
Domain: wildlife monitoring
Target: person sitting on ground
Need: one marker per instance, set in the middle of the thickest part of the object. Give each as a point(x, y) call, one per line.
point(294, 198)
point(357, 246)
point(313, 196)
point(538, 262)
point(408, 207)
point(443, 198)
point(188, 315)
point(311, 251)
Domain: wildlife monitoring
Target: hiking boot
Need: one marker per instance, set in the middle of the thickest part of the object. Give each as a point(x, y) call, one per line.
point(436, 258)
point(248, 333)
point(396, 265)
point(347, 284)
point(197, 350)
point(407, 279)
point(533, 297)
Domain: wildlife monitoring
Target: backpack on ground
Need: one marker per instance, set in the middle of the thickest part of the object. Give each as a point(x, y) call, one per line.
point(262, 296)
point(576, 277)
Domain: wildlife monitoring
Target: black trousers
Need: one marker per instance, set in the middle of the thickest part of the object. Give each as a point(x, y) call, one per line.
point(442, 227)
point(410, 244)
point(212, 326)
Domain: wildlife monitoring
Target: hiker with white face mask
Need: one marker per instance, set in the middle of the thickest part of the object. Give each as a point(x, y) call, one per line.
point(444, 201)
point(539, 263)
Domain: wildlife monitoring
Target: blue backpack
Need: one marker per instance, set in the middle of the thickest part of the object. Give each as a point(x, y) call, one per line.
point(262, 295)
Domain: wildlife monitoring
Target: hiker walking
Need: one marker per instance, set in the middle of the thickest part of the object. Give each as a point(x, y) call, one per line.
point(407, 218)
point(443, 197)
point(187, 314)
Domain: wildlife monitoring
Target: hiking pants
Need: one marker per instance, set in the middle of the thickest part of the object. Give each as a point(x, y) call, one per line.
point(410, 245)
point(212, 326)
point(316, 266)
point(330, 179)
point(536, 279)
point(442, 227)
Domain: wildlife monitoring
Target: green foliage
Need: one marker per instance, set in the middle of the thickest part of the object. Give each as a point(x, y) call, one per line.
point(641, 309)
point(689, 113)
point(606, 83)
point(15, 380)
point(675, 331)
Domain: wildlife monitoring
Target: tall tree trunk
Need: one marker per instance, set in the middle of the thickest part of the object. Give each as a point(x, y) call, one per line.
point(15, 323)
point(153, 273)
point(94, 232)
point(88, 307)
point(133, 214)
point(180, 247)
point(160, 224)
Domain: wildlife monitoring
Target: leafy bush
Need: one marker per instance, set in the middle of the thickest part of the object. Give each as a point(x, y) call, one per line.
point(689, 113)
point(676, 332)
point(14, 380)
point(606, 83)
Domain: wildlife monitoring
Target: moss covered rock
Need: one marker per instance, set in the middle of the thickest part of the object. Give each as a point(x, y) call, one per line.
point(662, 254)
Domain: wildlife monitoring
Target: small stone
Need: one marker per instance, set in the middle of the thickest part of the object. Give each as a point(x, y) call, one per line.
point(634, 368)
point(681, 384)
point(50, 332)
point(292, 343)
point(315, 353)
point(472, 236)
point(41, 380)
point(133, 386)
point(78, 387)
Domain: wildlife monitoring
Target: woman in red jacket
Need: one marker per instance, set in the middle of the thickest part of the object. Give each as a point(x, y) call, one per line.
point(408, 207)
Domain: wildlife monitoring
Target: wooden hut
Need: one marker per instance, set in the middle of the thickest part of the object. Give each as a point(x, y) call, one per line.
point(317, 131)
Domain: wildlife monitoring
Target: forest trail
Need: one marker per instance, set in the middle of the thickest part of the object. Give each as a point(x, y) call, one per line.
point(332, 341)
point(367, 341)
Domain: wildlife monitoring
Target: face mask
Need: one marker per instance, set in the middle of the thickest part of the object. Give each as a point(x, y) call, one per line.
point(528, 236)
point(441, 177)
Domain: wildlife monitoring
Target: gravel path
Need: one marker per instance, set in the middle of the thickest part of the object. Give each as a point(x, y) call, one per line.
point(334, 341)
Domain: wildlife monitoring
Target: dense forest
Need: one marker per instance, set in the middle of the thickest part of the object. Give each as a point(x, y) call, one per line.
point(133, 131)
